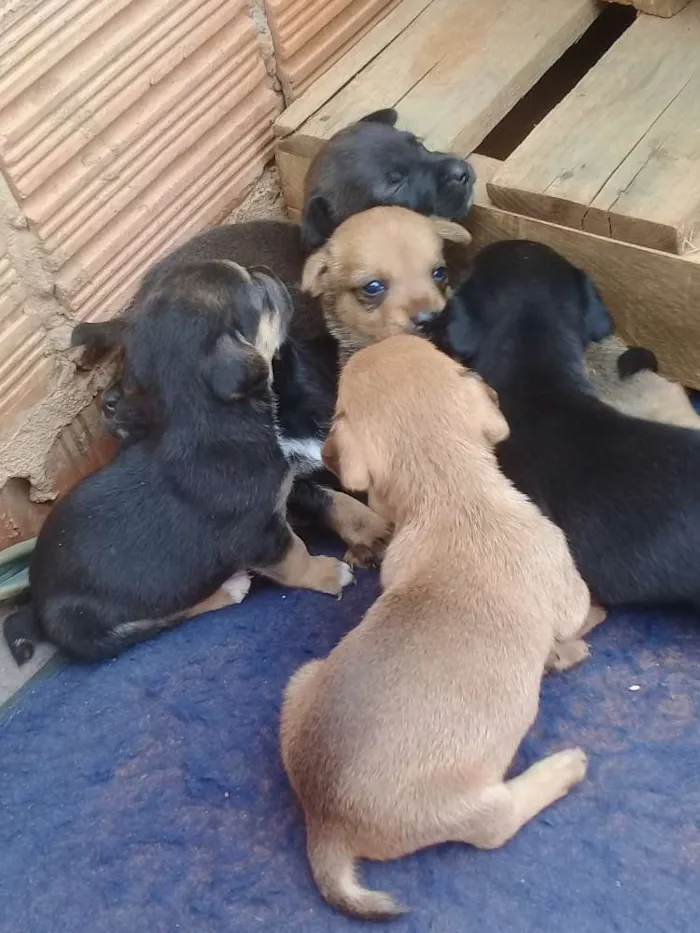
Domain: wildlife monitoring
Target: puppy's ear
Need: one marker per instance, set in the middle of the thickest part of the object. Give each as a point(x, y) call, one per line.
point(597, 322)
point(452, 232)
point(314, 276)
point(279, 309)
point(343, 456)
point(316, 222)
point(496, 427)
point(102, 336)
point(230, 373)
point(388, 117)
point(636, 360)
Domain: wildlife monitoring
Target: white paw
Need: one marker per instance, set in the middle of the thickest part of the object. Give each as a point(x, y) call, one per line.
point(571, 763)
point(346, 574)
point(237, 586)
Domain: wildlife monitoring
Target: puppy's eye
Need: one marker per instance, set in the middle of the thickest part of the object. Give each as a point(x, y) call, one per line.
point(395, 179)
point(373, 289)
point(440, 275)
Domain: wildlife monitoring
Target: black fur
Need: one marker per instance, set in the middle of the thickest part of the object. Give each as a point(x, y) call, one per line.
point(636, 360)
point(372, 163)
point(181, 510)
point(305, 382)
point(625, 491)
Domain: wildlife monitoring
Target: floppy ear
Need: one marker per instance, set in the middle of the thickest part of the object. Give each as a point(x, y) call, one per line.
point(388, 117)
point(342, 455)
point(636, 360)
point(231, 374)
point(597, 322)
point(278, 311)
point(316, 222)
point(104, 335)
point(313, 278)
point(495, 425)
point(452, 232)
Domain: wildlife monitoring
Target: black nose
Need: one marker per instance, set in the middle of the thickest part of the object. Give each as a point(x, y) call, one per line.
point(424, 317)
point(111, 397)
point(459, 172)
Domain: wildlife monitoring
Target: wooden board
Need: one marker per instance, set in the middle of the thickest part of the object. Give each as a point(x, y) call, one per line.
point(453, 68)
point(653, 296)
point(620, 155)
point(656, 7)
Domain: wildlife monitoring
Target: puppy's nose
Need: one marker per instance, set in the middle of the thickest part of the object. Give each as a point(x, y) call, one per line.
point(459, 172)
point(424, 317)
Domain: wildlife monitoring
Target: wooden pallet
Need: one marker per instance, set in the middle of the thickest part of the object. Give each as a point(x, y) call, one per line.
point(618, 194)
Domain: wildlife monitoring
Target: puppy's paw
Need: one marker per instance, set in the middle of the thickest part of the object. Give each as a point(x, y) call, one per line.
point(570, 766)
point(328, 575)
point(368, 541)
point(237, 586)
point(365, 533)
point(567, 654)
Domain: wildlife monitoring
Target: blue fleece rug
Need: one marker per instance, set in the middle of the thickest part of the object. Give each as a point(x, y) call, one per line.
point(146, 795)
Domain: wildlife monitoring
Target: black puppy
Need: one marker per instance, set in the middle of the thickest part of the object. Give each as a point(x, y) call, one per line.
point(626, 491)
point(371, 163)
point(367, 164)
point(170, 527)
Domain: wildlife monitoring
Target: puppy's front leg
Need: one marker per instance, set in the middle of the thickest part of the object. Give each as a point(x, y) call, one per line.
point(365, 533)
point(299, 568)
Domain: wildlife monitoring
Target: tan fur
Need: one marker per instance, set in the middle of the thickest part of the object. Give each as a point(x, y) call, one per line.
point(401, 737)
point(390, 244)
point(644, 395)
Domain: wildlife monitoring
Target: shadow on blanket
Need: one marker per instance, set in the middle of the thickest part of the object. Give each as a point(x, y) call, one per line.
point(146, 794)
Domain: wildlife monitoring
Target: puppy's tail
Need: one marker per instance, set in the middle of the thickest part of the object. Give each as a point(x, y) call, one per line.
point(333, 867)
point(22, 632)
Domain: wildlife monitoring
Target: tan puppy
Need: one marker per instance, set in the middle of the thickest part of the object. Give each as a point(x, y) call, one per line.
point(401, 737)
point(642, 394)
point(382, 273)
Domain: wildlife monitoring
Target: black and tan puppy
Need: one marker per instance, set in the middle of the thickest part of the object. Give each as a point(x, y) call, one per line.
point(626, 491)
point(170, 527)
point(367, 164)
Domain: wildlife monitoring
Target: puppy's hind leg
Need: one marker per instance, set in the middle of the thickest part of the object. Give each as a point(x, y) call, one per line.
point(297, 567)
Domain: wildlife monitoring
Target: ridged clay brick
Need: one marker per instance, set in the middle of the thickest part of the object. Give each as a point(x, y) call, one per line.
point(124, 128)
point(311, 35)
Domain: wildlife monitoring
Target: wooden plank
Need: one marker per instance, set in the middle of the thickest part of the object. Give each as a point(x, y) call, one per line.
point(344, 70)
point(656, 7)
point(453, 72)
point(620, 155)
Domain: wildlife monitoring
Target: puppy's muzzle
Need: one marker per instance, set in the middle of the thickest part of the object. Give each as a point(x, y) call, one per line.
point(425, 318)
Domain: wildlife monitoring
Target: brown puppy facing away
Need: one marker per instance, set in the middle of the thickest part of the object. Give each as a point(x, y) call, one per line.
point(401, 737)
point(627, 378)
point(381, 273)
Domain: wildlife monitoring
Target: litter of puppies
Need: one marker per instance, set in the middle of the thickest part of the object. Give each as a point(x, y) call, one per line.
point(470, 424)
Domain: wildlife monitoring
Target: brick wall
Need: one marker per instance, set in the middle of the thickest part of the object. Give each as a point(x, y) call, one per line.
point(125, 127)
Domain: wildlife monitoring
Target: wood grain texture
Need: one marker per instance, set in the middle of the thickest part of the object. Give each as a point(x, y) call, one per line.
point(311, 35)
point(655, 7)
point(454, 70)
point(653, 296)
point(620, 155)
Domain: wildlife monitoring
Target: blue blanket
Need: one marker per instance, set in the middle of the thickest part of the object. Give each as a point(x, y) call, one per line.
point(146, 795)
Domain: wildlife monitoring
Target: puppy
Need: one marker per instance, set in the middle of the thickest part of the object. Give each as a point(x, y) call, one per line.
point(382, 273)
point(401, 738)
point(170, 527)
point(627, 378)
point(626, 491)
point(372, 163)
point(397, 256)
